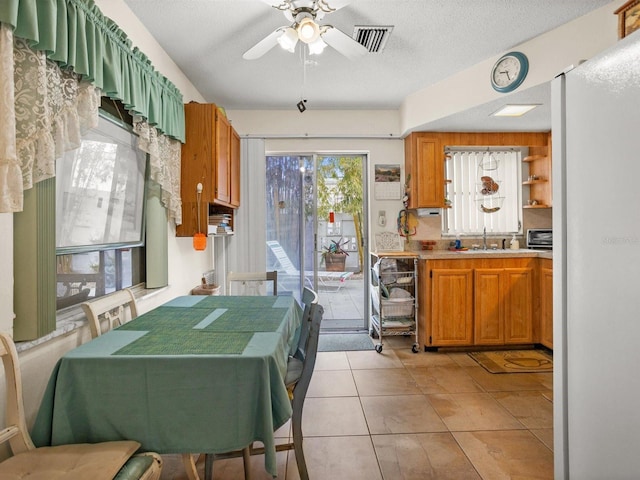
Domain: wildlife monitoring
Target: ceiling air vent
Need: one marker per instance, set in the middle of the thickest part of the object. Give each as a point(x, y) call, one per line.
point(373, 38)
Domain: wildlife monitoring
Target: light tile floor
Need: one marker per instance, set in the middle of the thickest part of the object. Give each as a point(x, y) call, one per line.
point(399, 415)
point(345, 308)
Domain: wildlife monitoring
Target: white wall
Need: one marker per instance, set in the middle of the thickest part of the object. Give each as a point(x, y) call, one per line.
point(548, 54)
point(372, 132)
point(379, 151)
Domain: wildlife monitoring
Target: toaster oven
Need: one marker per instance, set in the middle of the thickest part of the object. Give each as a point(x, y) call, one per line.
point(540, 238)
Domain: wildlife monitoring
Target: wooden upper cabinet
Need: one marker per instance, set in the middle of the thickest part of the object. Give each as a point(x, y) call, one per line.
point(198, 152)
point(425, 162)
point(424, 167)
point(208, 155)
point(235, 168)
point(223, 160)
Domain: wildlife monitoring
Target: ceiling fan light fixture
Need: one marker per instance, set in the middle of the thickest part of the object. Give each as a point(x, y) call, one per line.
point(308, 30)
point(288, 39)
point(317, 47)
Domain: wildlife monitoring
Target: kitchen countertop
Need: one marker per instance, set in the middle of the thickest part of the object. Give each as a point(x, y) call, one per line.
point(507, 253)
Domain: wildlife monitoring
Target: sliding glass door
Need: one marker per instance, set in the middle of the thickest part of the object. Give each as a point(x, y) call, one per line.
point(315, 224)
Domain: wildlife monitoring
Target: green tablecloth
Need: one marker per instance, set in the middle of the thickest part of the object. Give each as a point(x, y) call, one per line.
point(200, 374)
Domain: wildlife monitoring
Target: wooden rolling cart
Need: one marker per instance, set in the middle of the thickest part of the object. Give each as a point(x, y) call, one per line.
point(394, 296)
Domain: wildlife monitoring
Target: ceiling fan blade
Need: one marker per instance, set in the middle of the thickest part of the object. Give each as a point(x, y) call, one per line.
point(263, 46)
point(330, 6)
point(279, 4)
point(343, 43)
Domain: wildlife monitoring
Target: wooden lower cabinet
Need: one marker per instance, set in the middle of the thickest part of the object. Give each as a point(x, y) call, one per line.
point(477, 302)
point(518, 305)
point(488, 306)
point(452, 307)
point(546, 302)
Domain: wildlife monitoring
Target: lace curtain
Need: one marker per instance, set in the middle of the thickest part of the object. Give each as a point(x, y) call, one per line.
point(164, 164)
point(44, 110)
point(10, 172)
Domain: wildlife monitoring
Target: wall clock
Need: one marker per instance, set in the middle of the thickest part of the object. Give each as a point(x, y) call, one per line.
point(509, 72)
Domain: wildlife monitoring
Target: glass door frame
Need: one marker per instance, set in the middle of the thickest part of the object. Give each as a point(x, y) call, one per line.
point(308, 235)
point(364, 219)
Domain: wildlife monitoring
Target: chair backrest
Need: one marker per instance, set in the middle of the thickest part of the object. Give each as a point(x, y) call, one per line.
point(286, 265)
point(110, 309)
point(251, 283)
point(15, 431)
point(70, 461)
point(310, 353)
point(309, 298)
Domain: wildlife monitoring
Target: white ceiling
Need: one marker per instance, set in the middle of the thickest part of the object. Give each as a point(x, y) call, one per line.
point(431, 40)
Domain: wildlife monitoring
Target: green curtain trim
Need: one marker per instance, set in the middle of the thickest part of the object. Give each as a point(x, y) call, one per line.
point(75, 34)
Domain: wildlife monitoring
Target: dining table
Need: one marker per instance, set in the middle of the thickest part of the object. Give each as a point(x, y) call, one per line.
point(198, 374)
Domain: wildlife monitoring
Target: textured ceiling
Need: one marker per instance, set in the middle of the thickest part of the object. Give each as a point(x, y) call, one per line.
point(431, 40)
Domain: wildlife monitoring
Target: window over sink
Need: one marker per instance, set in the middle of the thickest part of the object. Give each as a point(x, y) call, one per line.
point(483, 191)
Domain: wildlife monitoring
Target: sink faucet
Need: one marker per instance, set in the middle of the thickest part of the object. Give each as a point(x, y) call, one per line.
point(484, 238)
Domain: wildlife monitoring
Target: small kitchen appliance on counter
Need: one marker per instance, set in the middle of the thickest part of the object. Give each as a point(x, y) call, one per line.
point(539, 238)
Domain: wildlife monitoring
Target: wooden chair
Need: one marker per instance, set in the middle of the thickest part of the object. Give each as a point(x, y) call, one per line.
point(251, 283)
point(299, 371)
point(110, 309)
point(97, 461)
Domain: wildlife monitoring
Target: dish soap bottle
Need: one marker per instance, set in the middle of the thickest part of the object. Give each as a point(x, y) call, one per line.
point(514, 243)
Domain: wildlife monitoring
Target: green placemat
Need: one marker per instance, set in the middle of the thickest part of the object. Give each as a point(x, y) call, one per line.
point(248, 320)
point(225, 301)
point(190, 342)
point(180, 317)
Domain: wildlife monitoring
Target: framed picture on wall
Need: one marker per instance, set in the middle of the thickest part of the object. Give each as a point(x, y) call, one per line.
point(387, 184)
point(628, 18)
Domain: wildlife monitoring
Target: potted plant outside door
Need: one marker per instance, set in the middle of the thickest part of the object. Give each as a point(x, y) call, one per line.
point(335, 256)
point(340, 190)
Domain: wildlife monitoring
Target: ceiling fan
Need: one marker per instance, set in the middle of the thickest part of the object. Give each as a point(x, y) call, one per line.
point(303, 15)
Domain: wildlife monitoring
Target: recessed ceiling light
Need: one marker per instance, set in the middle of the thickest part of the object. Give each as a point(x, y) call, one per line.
point(513, 110)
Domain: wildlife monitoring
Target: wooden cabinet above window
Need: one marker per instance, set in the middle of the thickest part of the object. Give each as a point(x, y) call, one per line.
point(210, 156)
point(424, 169)
point(425, 157)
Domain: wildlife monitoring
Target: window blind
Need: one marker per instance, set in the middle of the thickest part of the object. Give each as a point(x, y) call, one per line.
point(484, 191)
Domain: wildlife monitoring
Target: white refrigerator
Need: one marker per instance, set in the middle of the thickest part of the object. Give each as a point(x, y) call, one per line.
point(596, 225)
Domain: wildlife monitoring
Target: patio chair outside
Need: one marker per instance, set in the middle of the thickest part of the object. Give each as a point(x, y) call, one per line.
point(286, 270)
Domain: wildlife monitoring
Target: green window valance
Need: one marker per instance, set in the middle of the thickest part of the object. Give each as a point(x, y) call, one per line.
point(75, 34)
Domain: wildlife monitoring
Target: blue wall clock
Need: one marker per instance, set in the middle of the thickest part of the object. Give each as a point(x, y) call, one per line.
point(509, 72)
